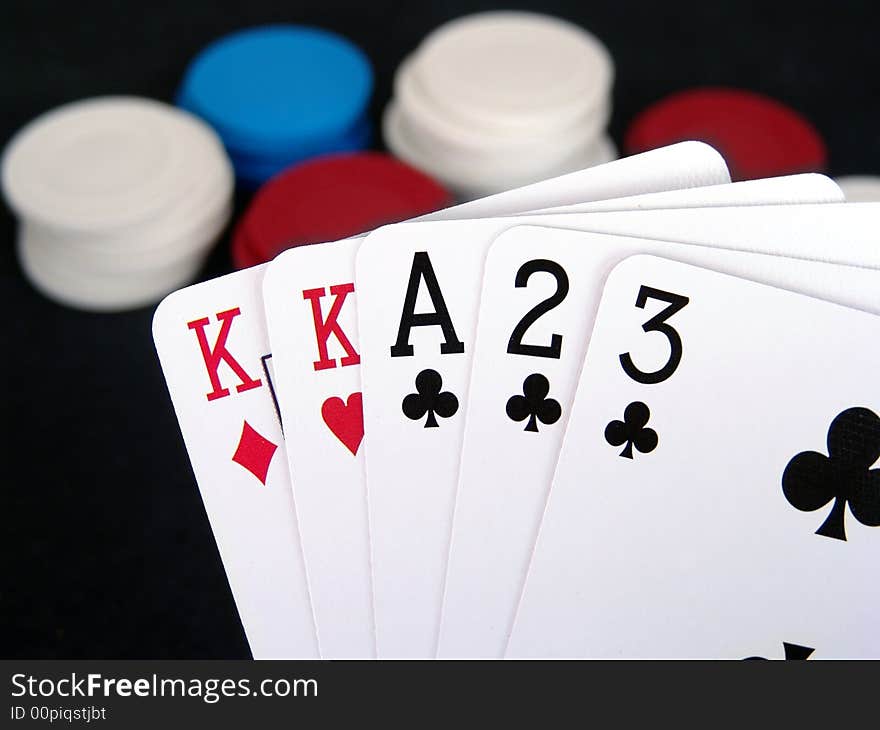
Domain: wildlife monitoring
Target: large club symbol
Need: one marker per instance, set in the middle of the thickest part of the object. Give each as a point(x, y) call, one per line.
point(811, 480)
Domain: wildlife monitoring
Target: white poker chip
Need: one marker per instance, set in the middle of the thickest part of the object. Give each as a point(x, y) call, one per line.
point(501, 99)
point(101, 291)
point(860, 188)
point(119, 200)
point(514, 64)
point(191, 223)
point(402, 144)
point(97, 163)
point(444, 128)
point(168, 246)
point(465, 165)
point(469, 180)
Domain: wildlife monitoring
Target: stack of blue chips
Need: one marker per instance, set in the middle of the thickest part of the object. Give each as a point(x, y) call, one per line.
point(280, 94)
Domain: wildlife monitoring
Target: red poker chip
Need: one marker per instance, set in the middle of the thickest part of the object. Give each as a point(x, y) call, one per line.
point(330, 198)
point(758, 136)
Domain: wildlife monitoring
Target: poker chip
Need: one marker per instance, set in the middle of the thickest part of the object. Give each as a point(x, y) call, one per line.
point(758, 136)
point(98, 290)
point(860, 188)
point(253, 173)
point(97, 163)
point(330, 198)
point(119, 200)
point(475, 177)
point(280, 94)
point(500, 99)
point(514, 68)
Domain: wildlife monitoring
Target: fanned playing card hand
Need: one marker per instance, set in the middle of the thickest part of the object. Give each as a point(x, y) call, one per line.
point(638, 477)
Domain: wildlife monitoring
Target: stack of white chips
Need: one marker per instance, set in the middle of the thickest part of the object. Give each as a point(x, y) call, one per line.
point(119, 200)
point(498, 100)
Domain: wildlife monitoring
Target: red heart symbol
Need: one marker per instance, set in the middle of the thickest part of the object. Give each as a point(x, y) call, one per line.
point(345, 420)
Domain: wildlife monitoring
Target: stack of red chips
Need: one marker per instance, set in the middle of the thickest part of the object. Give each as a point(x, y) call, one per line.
point(758, 136)
point(330, 198)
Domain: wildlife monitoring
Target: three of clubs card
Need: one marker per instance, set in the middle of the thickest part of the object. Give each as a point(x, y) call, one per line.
point(603, 428)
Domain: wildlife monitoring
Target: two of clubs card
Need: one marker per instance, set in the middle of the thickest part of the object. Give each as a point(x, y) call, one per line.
point(627, 412)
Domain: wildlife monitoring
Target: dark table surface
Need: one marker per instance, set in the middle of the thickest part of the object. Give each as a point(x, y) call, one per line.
point(107, 552)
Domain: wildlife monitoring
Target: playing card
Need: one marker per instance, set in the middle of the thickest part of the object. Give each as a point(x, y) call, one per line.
point(213, 347)
point(843, 233)
point(787, 189)
point(715, 495)
point(308, 297)
point(418, 290)
point(309, 302)
point(539, 297)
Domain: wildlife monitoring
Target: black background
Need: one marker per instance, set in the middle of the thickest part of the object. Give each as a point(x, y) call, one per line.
point(107, 552)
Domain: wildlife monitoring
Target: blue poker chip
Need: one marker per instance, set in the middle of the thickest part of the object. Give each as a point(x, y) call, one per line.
point(280, 92)
point(253, 170)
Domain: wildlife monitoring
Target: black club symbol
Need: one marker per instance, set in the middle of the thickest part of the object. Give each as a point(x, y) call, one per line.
point(534, 404)
point(430, 399)
point(632, 430)
point(811, 480)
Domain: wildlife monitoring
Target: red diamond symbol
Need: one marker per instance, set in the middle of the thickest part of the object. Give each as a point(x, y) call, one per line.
point(254, 452)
